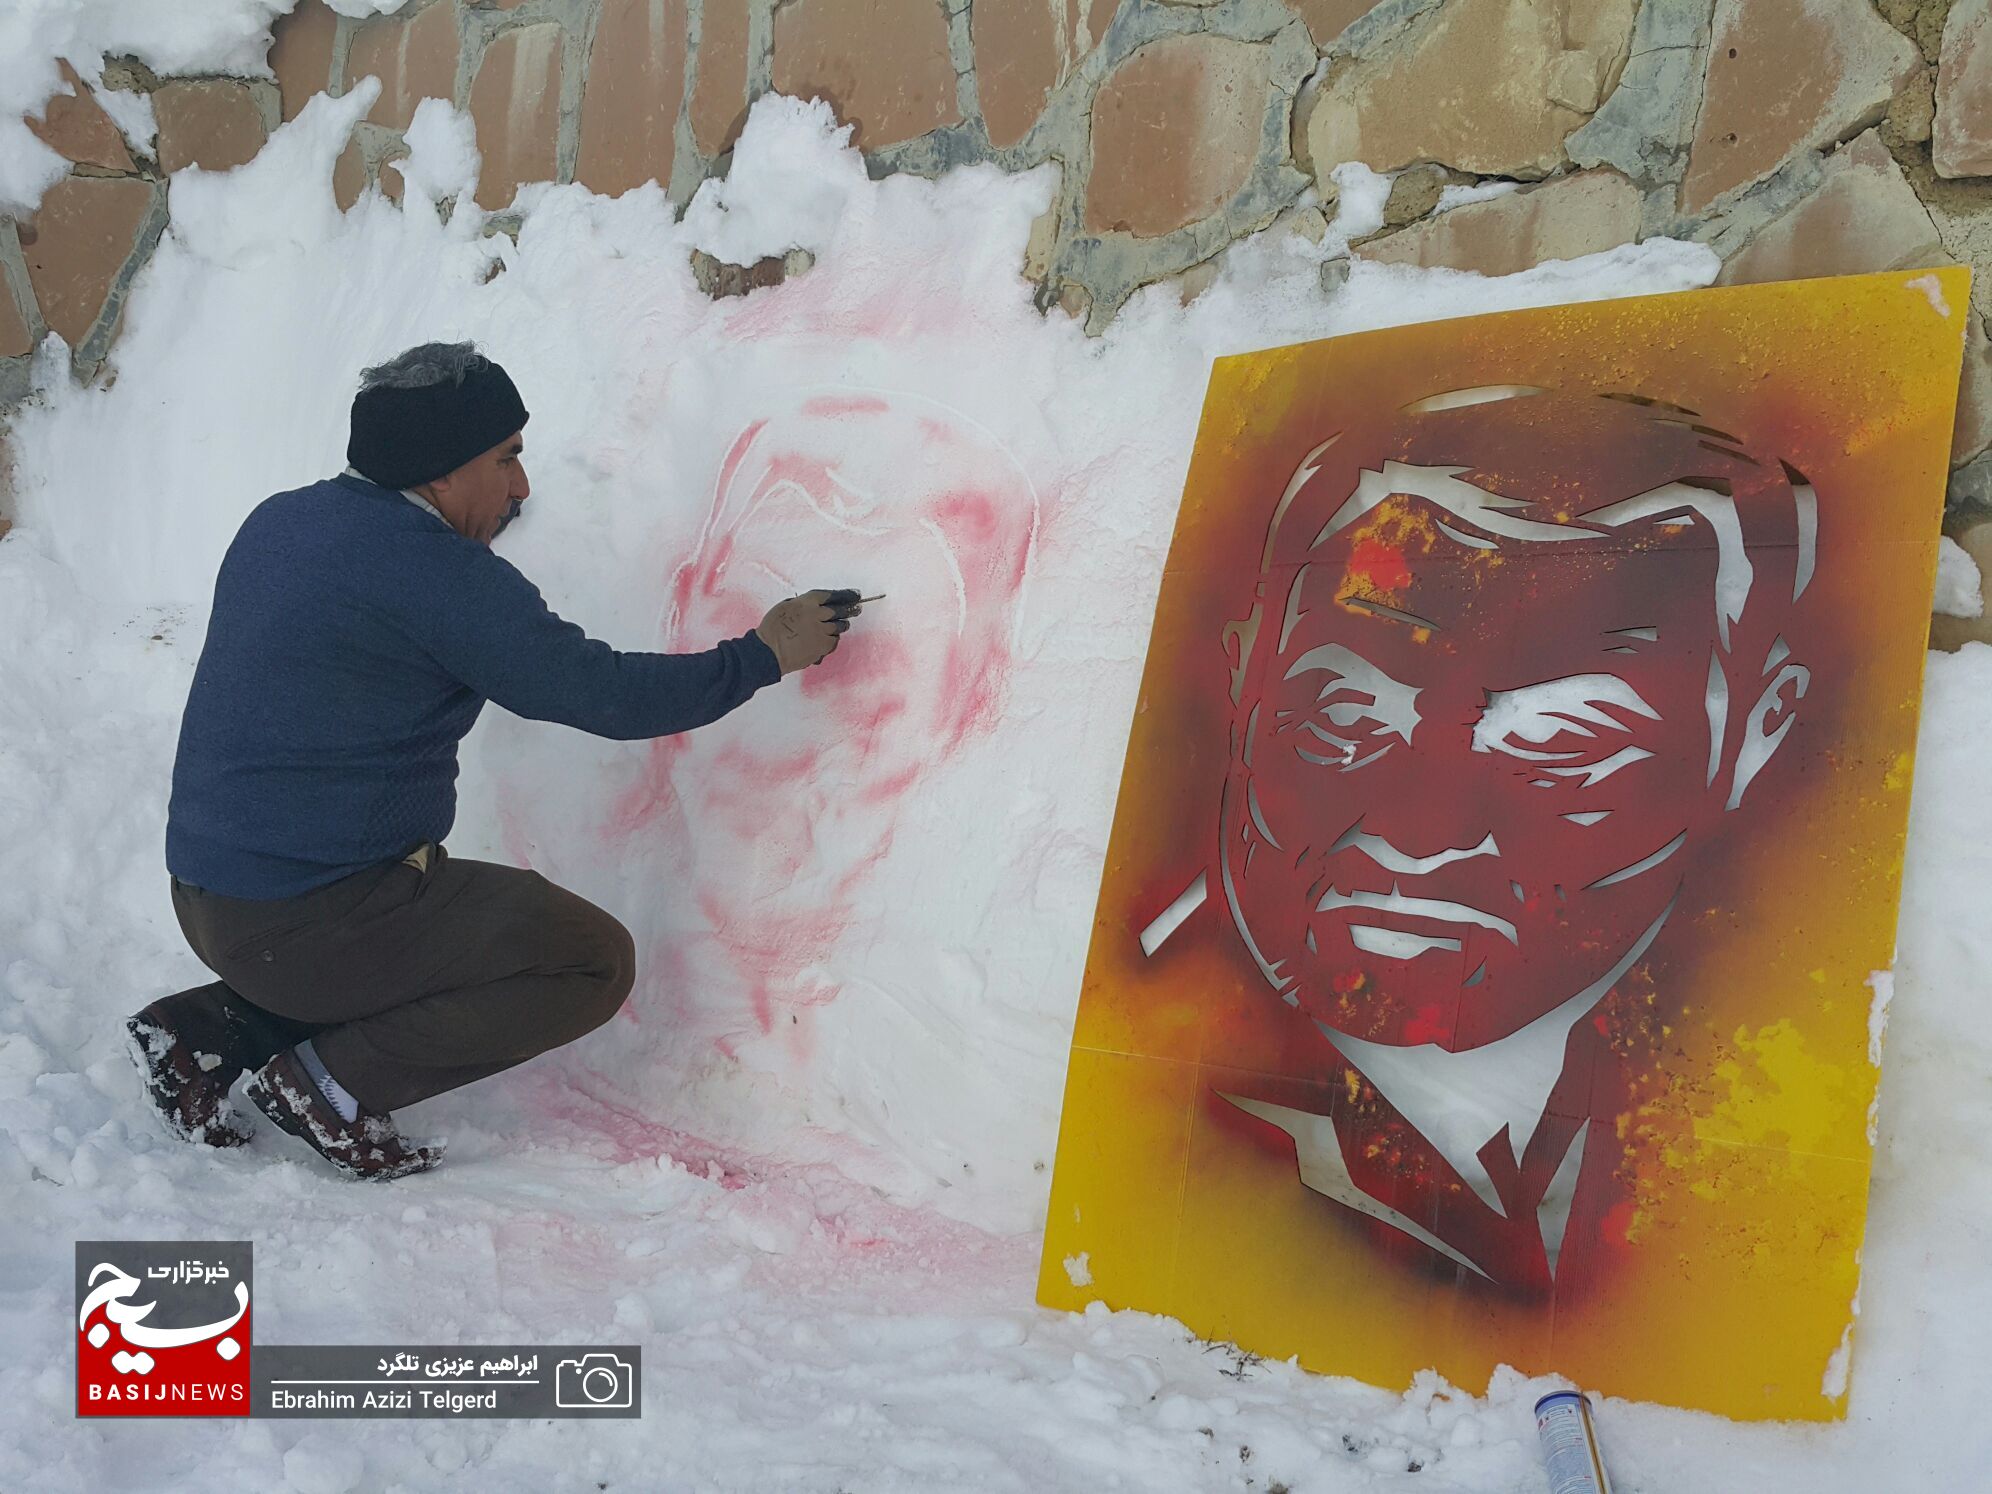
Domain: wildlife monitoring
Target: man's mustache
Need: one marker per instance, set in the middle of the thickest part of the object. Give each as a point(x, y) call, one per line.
point(1381, 853)
point(1387, 856)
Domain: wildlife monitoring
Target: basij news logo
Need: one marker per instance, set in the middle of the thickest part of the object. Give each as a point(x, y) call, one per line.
point(162, 1327)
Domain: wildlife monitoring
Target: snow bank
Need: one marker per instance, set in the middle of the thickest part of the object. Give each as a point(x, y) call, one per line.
point(799, 1334)
point(863, 903)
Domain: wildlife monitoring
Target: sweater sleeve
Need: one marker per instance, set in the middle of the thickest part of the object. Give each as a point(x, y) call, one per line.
point(497, 635)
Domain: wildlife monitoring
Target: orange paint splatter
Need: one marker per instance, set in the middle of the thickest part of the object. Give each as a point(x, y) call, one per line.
point(1379, 564)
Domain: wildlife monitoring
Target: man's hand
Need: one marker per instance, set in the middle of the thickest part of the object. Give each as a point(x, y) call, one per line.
point(804, 630)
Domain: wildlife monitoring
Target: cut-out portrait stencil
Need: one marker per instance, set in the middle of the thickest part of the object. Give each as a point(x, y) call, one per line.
point(1509, 845)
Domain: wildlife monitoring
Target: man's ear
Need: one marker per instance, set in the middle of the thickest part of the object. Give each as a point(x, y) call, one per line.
point(1238, 638)
point(1769, 723)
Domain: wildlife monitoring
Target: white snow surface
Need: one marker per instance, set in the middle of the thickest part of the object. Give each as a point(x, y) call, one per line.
point(132, 113)
point(807, 1166)
point(790, 186)
point(1460, 196)
point(1960, 589)
point(1361, 196)
point(443, 160)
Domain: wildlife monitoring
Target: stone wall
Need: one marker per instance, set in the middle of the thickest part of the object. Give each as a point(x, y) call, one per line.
point(1815, 138)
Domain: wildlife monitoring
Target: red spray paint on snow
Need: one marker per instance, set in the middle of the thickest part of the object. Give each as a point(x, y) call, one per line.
point(785, 810)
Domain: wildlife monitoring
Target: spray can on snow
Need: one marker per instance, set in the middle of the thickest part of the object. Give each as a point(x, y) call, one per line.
point(1570, 1444)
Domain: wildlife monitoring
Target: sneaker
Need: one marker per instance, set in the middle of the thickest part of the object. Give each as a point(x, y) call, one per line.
point(188, 1088)
point(367, 1146)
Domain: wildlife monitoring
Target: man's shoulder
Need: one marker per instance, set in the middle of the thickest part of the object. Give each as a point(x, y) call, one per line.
point(338, 518)
point(326, 538)
point(373, 539)
point(331, 500)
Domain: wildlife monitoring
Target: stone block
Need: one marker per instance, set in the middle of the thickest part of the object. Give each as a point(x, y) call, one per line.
point(1862, 216)
point(387, 174)
point(1643, 125)
point(1784, 78)
point(1310, 223)
point(721, 280)
point(349, 176)
point(719, 91)
point(882, 64)
point(1474, 85)
point(1197, 279)
point(1961, 142)
point(636, 81)
point(75, 125)
point(1922, 21)
point(414, 58)
point(301, 54)
point(1962, 211)
point(78, 240)
point(1018, 57)
point(1912, 113)
point(1560, 219)
point(1176, 129)
point(1328, 19)
point(16, 336)
point(1576, 79)
point(1041, 245)
point(1414, 193)
point(515, 104)
point(1972, 434)
point(1024, 49)
point(1968, 495)
point(213, 125)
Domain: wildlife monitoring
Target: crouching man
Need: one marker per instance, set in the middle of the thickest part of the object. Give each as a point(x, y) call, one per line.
point(359, 626)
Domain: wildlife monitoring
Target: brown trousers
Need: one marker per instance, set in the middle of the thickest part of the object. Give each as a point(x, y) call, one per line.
point(410, 978)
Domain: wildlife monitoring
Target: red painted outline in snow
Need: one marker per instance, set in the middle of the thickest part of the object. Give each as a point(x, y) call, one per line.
point(787, 808)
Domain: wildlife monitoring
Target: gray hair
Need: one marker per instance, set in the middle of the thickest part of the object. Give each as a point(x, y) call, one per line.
point(425, 366)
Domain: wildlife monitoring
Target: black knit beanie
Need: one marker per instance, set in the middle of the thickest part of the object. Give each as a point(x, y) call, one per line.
point(402, 437)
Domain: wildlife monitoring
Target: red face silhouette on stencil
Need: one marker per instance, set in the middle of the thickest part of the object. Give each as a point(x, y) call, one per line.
point(1481, 717)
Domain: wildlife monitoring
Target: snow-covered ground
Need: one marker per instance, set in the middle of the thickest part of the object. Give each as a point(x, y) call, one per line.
point(800, 1331)
point(806, 1169)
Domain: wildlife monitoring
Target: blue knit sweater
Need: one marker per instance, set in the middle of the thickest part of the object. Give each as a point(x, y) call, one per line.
point(353, 642)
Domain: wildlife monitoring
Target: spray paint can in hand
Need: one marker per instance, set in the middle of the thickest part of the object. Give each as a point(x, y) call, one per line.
point(1570, 1444)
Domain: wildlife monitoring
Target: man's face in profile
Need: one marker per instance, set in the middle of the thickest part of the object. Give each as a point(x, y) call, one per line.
point(1458, 807)
point(484, 495)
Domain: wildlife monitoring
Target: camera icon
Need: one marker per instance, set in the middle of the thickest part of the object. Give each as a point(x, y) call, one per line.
point(594, 1382)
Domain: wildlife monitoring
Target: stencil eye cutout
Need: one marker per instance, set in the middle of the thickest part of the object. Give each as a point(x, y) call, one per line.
point(1350, 733)
point(1575, 729)
point(1357, 712)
